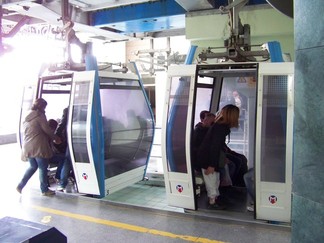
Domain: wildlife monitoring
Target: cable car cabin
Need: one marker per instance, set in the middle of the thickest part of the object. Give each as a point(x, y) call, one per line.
point(112, 141)
point(110, 129)
point(264, 94)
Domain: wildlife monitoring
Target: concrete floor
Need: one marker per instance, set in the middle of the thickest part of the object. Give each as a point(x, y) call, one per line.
point(84, 219)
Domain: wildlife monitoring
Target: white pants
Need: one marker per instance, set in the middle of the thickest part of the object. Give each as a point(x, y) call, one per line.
point(212, 183)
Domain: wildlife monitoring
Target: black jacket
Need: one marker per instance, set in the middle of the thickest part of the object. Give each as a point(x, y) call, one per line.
point(198, 136)
point(209, 151)
point(62, 133)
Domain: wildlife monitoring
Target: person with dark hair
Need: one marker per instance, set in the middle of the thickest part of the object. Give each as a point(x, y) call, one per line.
point(58, 157)
point(202, 115)
point(61, 130)
point(211, 152)
point(36, 146)
point(198, 136)
point(67, 165)
point(52, 124)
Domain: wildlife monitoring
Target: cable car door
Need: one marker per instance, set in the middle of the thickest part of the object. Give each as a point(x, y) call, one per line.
point(176, 129)
point(274, 141)
point(79, 132)
point(128, 128)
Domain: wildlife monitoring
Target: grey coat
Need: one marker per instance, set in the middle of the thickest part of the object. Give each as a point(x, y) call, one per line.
point(37, 136)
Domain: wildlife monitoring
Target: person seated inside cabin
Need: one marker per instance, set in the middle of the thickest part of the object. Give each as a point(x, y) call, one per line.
point(201, 128)
point(202, 115)
point(250, 186)
point(237, 166)
point(67, 170)
point(198, 134)
point(58, 157)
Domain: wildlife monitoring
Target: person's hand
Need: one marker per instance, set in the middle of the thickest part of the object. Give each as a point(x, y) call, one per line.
point(209, 170)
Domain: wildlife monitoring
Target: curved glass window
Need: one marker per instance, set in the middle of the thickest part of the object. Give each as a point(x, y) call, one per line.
point(79, 116)
point(176, 128)
point(127, 124)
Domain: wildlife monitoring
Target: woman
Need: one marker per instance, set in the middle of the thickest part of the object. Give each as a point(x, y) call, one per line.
point(37, 146)
point(211, 152)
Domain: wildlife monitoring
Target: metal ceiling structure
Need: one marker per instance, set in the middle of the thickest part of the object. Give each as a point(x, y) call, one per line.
point(111, 20)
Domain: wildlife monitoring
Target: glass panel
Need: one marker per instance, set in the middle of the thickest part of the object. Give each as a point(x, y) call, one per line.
point(118, 82)
point(241, 91)
point(56, 91)
point(273, 135)
point(203, 99)
point(205, 80)
point(56, 103)
point(176, 127)
point(27, 102)
point(79, 121)
point(128, 127)
point(56, 87)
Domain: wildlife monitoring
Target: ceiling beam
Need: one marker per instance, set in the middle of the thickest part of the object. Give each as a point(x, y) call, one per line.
point(89, 6)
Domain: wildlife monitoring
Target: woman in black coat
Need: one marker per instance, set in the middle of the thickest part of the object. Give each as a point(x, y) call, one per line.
point(211, 153)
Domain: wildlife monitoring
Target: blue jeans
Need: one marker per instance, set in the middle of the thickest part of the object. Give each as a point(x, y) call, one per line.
point(66, 168)
point(249, 182)
point(58, 159)
point(34, 164)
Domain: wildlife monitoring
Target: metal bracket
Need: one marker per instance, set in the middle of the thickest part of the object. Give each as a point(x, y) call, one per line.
point(238, 47)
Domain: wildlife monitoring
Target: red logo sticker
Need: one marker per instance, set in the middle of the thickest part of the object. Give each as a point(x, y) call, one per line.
point(84, 176)
point(179, 188)
point(273, 199)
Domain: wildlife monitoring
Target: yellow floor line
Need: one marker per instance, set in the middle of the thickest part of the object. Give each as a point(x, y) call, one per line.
point(125, 226)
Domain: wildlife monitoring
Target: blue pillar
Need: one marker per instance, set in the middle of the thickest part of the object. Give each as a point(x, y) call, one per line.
point(190, 55)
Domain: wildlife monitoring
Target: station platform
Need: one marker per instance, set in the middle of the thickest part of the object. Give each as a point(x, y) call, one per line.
point(85, 219)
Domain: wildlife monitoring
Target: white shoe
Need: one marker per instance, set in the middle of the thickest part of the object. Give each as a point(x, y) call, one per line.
point(250, 208)
point(60, 188)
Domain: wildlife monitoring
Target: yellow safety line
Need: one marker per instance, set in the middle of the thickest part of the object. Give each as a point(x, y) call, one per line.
point(125, 226)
